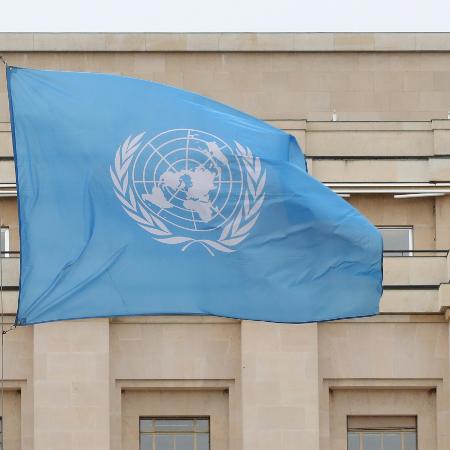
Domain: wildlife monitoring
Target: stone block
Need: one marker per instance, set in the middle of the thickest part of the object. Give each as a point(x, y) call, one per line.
point(16, 42)
point(354, 41)
point(361, 81)
point(166, 42)
point(6, 144)
point(371, 171)
point(237, 41)
point(418, 80)
point(388, 82)
point(434, 101)
point(46, 42)
point(202, 42)
point(409, 301)
point(444, 297)
point(415, 270)
point(440, 169)
point(395, 41)
point(441, 81)
point(433, 41)
point(314, 42)
point(125, 42)
point(441, 142)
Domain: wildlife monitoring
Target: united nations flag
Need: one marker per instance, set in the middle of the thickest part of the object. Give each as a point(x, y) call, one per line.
point(137, 198)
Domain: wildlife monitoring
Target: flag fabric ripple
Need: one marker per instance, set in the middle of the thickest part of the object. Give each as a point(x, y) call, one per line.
point(137, 198)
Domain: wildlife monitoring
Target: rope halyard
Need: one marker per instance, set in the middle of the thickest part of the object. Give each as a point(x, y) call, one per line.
point(3, 334)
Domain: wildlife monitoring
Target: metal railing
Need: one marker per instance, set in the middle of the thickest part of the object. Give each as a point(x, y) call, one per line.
point(421, 253)
point(8, 253)
point(407, 252)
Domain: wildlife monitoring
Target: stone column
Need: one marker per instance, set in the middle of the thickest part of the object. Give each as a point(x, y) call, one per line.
point(280, 392)
point(443, 413)
point(442, 206)
point(71, 385)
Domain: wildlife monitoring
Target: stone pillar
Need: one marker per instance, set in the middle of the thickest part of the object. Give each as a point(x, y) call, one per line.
point(280, 389)
point(443, 406)
point(442, 206)
point(71, 385)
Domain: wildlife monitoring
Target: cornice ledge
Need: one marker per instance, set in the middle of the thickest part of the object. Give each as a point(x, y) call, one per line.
point(225, 42)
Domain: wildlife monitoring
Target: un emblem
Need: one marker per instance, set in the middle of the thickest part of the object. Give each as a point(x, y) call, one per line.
point(188, 187)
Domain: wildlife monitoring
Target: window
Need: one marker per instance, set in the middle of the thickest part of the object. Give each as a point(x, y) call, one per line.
point(397, 238)
point(381, 433)
point(163, 433)
point(4, 241)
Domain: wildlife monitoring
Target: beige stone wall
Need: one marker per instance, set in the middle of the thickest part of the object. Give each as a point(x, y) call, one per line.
point(385, 210)
point(8, 218)
point(212, 404)
point(280, 386)
point(386, 367)
point(420, 403)
point(275, 85)
point(177, 354)
point(11, 418)
point(71, 385)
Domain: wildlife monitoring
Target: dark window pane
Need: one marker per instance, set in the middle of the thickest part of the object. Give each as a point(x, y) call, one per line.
point(174, 434)
point(202, 425)
point(353, 441)
point(164, 442)
point(174, 425)
point(184, 442)
point(392, 441)
point(396, 238)
point(3, 239)
point(146, 424)
point(203, 442)
point(410, 440)
point(372, 441)
point(146, 442)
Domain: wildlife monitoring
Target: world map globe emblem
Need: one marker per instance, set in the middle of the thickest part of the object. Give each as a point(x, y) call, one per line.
point(188, 178)
point(186, 187)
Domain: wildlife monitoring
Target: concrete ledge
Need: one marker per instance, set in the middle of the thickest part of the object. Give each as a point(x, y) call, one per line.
point(415, 270)
point(7, 171)
point(444, 297)
point(225, 42)
point(10, 271)
point(410, 301)
point(10, 302)
point(352, 138)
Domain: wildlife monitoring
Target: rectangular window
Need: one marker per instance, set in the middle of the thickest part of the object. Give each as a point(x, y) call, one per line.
point(381, 433)
point(4, 242)
point(397, 241)
point(167, 433)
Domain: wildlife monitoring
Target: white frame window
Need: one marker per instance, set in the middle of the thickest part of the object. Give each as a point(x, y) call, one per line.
point(381, 433)
point(403, 251)
point(176, 433)
point(405, 439)
point(4, 242)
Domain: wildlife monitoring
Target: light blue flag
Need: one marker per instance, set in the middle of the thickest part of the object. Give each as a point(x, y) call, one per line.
point(136, 198)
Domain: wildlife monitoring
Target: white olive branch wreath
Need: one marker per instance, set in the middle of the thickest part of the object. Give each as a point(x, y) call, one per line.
point(233, 233)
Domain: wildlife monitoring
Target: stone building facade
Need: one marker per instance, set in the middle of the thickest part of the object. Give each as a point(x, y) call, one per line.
point(371, 112)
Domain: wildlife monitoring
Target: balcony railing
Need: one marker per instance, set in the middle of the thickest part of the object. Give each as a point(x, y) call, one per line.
point(421, 253)
point(406, 252)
